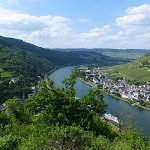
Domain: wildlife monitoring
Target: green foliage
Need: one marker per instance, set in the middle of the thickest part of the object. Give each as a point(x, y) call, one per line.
point(14, 62)
point(116, 94)
point(130, 140)
point(8, 90)
point(17, 62)
point(70, 82)
point(8, 142)
point(55, 119)
point(142, 103)
point(6, 75)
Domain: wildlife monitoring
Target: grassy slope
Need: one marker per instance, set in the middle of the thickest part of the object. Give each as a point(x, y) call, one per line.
point(6, 74)
point(136, 70)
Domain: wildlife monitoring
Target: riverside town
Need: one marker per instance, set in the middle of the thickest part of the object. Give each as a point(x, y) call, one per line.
point(121, 88)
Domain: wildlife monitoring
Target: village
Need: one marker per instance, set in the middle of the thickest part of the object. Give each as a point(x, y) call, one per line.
point(121, 88)
point(33, 89)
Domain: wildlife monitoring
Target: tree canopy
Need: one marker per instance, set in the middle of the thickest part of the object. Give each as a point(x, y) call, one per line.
point(56, 119)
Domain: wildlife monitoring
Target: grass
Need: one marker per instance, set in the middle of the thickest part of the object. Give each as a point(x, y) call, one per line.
point(114, 127)
point(136, 70)
point(133, 73)
point(124, 54)
point(6, 75)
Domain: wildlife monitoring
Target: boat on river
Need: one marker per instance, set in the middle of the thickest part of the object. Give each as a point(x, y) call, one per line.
point(110, 117)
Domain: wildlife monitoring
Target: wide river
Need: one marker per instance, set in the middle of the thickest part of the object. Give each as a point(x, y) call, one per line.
point(138, 117)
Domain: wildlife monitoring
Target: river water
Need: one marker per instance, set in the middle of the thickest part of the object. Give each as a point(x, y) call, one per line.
point(138, 117)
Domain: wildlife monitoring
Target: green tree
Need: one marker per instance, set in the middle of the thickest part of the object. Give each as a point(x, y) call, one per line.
point(56, 119)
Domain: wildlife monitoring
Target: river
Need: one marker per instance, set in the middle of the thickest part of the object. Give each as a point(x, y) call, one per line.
point(138, 117)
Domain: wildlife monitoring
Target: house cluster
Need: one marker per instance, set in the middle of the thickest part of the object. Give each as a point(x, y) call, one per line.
point(34, 89)
point(124, 88)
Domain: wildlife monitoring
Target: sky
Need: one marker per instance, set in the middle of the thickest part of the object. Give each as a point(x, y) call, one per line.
point(122, 24)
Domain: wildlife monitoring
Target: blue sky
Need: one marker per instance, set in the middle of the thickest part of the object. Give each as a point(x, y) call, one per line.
point(78, 23)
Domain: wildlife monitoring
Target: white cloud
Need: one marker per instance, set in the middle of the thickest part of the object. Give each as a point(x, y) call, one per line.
point(102, 37)
point(143, 38)
point(95, 37)
point(33, 28)
point(145, 8)
point(131, 30)
point(135, 25)
point(136, 16)
point(96, 32)
point(18, 21)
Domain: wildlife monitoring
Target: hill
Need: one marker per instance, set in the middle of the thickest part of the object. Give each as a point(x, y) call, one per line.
point(137, 70)
point(114, 53)
point(26, 66)
point(27, 61)
point(61, 58)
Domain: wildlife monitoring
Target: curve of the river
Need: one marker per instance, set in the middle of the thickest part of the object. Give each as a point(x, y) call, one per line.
point(138, 117)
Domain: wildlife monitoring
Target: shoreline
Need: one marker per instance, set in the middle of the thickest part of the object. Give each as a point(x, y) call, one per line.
point(53, 70)
point(114, 96)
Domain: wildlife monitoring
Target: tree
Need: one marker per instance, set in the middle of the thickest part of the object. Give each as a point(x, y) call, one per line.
point(55, 119)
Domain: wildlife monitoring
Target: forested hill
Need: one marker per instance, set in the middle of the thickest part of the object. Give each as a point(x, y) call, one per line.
point(24, 65)
point(60, 57)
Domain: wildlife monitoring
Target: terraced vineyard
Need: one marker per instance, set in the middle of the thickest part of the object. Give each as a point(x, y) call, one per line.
point(136, 70)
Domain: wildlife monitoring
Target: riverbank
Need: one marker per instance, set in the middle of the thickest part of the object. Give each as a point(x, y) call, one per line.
point(53, 70)
point(128, 101)
point(112, 95)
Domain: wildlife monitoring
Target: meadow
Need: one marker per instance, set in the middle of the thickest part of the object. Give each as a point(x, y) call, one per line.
point(138, 70)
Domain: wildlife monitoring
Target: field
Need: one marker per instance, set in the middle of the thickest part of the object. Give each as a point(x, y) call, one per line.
point(133, 73)
point(133, 54)
point(137, 70)
point(5, 75)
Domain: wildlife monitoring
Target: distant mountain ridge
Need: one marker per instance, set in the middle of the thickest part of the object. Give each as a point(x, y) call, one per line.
point(60, 57)
point(114, 53)
point(99, 49)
